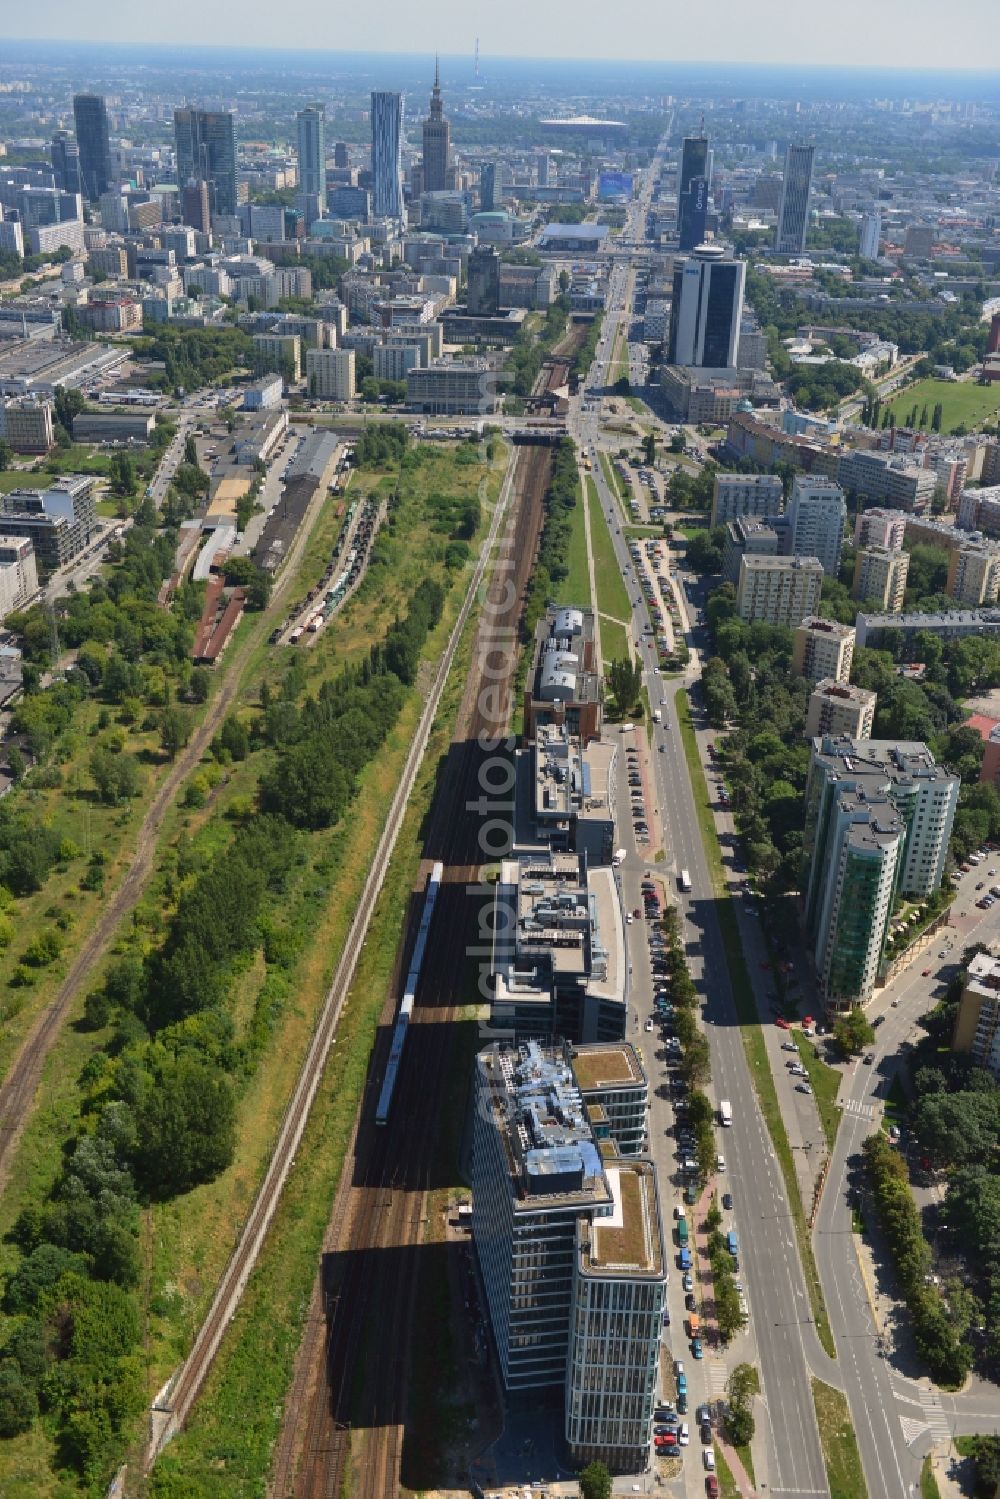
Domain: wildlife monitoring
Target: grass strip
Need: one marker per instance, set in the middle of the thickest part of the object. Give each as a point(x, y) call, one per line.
point(728, 1487)
point(614, 640)
point(610, 473)
point(825, 1081)
point(928, 1483)
point(612, 595)
point(575, 587)
point(840, 1446)
point(750, 1029)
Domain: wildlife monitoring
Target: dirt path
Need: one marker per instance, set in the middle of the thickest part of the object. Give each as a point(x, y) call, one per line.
point(18, 1090)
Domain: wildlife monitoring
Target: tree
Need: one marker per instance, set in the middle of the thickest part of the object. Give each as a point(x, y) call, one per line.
point(853, 1032)
point(200, 684)
point(18, 1402)
point(175, 730)
point(595, 1482)
point(6, 454)
point(16, 763)
point(185, 1126)
point(742, 1387)
point(624, 679)
point(191, 451)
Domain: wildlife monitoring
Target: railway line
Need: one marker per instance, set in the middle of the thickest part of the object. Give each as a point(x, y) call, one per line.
point(172, 1406)
point(344, 1429)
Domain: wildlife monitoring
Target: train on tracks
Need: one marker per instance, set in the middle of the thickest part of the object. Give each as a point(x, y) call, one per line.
point(385, 1097)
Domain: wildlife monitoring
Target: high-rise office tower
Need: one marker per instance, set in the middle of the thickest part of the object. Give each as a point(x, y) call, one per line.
point(195, 207)
point(694, 163)
point(483, 297)
point(436, 141)
point(706, 309)
point(206, 152)
point(492, 182)
point(312, 162)
point(543, 162)
point(793, 210)
point(693, 211)
point(65, 154)
point(871, 234)
point(91, 116)
point(340, 156)
point(387, 144)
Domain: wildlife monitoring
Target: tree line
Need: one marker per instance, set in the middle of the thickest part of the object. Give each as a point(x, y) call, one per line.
point(561, 496)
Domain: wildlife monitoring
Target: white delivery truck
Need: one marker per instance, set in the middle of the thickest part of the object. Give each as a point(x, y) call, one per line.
point(725, 1113)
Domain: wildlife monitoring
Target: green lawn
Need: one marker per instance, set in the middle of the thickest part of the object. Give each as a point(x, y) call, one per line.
point(928, 1483)
point(961, 402)
point(840, 1445)
point(746, 1009)
point(17, 479)
point(612, 595)
point(825, 1085)
point(575, 587)
point(728, 1487)
point(614, 641)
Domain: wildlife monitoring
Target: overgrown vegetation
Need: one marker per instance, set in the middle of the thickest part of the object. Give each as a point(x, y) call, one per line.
point(562, 494)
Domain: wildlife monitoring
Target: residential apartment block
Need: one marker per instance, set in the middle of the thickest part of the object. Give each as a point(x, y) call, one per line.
point(18, 574)
point(977, 1025)
point(330, 374)
point(841, 711)
point(880, 578)
point(735, 495)
point(974, 574)
point(816, 515)
point(823, 649)
point(778, 590)
point(880, 528)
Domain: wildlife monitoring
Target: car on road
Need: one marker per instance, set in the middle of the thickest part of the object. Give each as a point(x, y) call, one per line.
point(789, 1046)
point(711, 1486)
point(706, 1433)
point(869, 1058)
point(720, 1163)
point(727, 1201)
point(696, 1348)
point(803, 1088)
point(628, 918)
point(708, 1458)
point(649, 1025)
point(687, 1281)
point(782, 1023)
point(667, 1440)
point(690, 1304)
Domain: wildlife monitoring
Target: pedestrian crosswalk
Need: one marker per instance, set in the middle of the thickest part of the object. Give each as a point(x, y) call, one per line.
point(932, 1419)
point(860, 1107)
point(715, 1371)
point(935, 1416)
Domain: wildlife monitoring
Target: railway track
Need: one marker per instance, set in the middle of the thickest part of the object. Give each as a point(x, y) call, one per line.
point(173, 1406)
point(344, 1431)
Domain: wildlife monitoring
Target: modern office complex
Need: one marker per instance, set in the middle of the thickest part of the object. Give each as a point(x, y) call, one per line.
point(26, 424)
point(880, 578)
point(707, 309)
point(793, 210)
point(822, 649)
point(387, 142)
point(558, 964)
point(778, 590)
point(564, 685)
point(483, 297)
point(692, 215)
point(205, 141)
point(746, 494)
point(878, 819)
point(93, 140)
point(841, 711)
point(870, 235)
point(311, 123)
point(977, 1025)
point(571, 1250)
point(436, 141)
point(816, 515)
point(59, 521)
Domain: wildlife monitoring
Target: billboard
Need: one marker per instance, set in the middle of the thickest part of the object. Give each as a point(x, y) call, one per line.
point(614, 187)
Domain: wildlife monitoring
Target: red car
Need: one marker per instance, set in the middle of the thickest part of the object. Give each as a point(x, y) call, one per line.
point(712, 1486)
point(637, 914)
point(782, 1023)
point(667, 1440)
point(925, 973)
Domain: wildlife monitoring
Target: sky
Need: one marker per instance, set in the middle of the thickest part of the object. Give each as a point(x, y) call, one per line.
point(936, 34)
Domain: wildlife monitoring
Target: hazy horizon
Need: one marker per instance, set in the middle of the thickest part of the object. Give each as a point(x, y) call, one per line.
point(897, 36)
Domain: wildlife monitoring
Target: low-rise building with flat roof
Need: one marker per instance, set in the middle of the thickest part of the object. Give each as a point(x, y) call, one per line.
point(114, 426)
point(615, 1089)
point(950, 624)
point(574, 792)
point(563, 685)
point(454, 388)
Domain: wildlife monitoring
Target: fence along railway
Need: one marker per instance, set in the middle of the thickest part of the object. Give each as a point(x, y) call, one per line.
point(344, 1430)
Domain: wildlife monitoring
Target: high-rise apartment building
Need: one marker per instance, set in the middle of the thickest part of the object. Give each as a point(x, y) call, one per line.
point(817, 511)
point(793, 210)
point(311, 123)
point(92, 137)
point(880, 528)
point(707, 309)
point(974, 574)
point(977, 1024)
point(694, 163)
point(870, 235)
point(841, 711)
point(436, 140)
point(206, 152)
point(746, 494)
point(878, 819)
point(387, 145)
point(778, 590)
point(571, 1252)
point(880, 578)
point(65, 153)
point(823, 648)
point(330, 374)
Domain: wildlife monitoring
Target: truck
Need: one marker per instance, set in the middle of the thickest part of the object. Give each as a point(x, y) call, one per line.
point(732, 1243)
point(657, 716)
point(682, 1232)
point(725, 1113)
point(685, 880)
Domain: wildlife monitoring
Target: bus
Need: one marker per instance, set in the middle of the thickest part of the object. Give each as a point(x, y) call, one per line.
point(685, 880)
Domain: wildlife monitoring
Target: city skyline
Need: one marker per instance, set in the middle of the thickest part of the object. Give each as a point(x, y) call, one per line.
point(770, 33)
